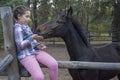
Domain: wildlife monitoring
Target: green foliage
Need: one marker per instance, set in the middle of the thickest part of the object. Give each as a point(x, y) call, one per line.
point(43, 10)
point(92, 14)
point(11, 3)
point(95, 12)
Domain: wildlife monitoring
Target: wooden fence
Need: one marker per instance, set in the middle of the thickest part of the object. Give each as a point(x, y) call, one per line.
point(9, 45)
point(9, 65)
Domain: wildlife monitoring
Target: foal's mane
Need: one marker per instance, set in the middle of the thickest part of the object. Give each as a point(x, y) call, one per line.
point(80, 31)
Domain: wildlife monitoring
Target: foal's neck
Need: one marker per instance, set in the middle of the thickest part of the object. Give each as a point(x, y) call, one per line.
point(75, 45)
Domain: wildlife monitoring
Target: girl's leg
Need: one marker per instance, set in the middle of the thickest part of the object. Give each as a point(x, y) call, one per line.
point(33, 67)
point(50, 62)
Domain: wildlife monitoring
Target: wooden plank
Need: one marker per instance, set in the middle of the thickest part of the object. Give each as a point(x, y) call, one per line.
point(9, 44)
point(5, 62)
point(85, 65)
point(88, 65)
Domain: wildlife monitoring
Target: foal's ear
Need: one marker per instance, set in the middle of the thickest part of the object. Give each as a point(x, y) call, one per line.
point(69, 12)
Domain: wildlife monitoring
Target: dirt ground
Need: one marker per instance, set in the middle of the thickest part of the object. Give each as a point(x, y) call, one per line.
point(60, 53)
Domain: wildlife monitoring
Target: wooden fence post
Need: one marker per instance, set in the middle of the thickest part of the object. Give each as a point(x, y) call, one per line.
point(9, 45)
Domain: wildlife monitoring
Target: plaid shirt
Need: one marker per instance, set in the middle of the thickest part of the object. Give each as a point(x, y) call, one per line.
point(24, 42)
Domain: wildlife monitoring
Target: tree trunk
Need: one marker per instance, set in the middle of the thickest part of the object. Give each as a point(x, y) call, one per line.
point(34, 15)
point(116, 24)
point(28, 3)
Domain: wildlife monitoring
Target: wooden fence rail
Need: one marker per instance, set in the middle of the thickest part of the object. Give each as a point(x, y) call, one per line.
point(76, 65)
point(5, 62)
point(11, 62)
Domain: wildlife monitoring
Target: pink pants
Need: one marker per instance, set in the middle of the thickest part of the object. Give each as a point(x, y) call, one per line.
point(33, 67)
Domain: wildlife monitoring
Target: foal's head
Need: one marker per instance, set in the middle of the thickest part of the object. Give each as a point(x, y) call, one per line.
point(58, 27)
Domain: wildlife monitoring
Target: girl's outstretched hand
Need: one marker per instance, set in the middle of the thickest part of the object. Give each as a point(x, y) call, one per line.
point(37, 37)
point(41, 47)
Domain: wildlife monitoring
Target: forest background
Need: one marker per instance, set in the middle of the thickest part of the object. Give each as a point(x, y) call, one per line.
point(96, 16)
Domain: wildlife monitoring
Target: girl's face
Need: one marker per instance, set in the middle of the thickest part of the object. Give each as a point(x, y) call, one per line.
point(24, 18)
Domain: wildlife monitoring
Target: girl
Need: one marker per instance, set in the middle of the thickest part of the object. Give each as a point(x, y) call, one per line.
point(29, 52)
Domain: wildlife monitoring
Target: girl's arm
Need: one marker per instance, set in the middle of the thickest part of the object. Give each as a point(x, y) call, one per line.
point(20, 42)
